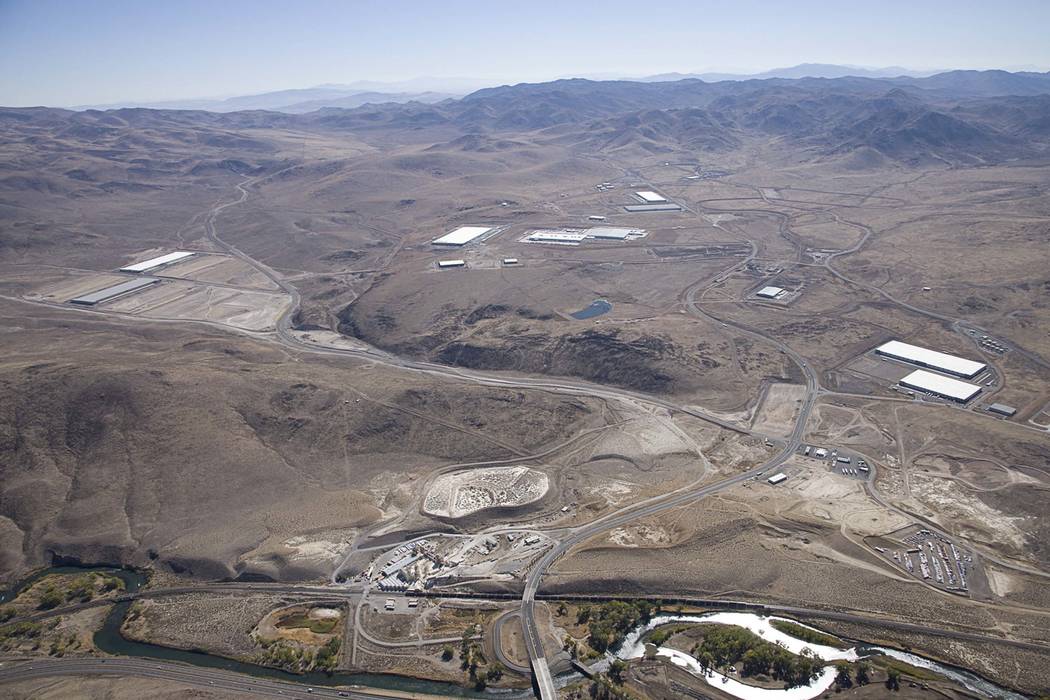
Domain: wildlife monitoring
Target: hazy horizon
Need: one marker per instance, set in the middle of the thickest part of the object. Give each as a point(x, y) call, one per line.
point(64, 55)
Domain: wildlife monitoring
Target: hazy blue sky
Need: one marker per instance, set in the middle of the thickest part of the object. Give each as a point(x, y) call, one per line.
point(57, 52)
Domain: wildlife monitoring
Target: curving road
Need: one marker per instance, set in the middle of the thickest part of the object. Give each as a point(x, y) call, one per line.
point(533, 640)
point(217, 680)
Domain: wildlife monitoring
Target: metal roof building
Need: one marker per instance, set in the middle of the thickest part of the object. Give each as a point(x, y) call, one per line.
point(117, 290)
point(451, 263)
point(942, 362)
point(770, 292)
point(462, 235)
point(777, 478)
point(562, 237)
point(637, 208)
point(650, 197)
point(1002, 409)
point(612, 233)
point(157, 262)
point(945, 387)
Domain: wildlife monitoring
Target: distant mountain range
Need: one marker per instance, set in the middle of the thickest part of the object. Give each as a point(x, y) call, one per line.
point(803, 70)
point(430, 90)
point(289, 101)
point(959, 117)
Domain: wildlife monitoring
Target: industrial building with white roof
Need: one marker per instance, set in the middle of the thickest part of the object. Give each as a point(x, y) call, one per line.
point(942, 362)
point(770, 292)
point(157, 262)
point(462, 235)
point(944, 387)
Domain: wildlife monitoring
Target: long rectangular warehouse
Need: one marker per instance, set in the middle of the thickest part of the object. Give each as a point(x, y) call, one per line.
point(157, 262)
point(942, 362)
point(945, 387)
point(667, 206)
point(462, 235)
point(650, 197)
point(97, 297)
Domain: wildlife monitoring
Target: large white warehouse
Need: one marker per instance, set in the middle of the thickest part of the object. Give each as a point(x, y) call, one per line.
point(942, 362)
point(650, 197)
point(462, 235)
point(945, 387)
point(157, 262)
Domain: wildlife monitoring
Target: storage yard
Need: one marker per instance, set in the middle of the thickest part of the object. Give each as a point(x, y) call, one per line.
point(459, 494)
point(931, 557)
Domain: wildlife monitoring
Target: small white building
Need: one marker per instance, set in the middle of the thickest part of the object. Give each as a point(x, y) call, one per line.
point(595, 217)
point(445, 264)
point(770, 292)
point(777, 478)
point(510, 261)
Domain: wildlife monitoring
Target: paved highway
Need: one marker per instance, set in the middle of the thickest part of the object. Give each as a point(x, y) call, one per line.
point(220, 681)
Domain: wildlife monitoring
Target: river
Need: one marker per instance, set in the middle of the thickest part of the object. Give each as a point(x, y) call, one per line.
point(633, 648)
point(109, 640)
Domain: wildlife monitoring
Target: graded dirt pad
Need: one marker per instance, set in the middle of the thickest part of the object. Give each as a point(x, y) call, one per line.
point(459, 494)
point(254, 311)
point(776, 413)
point(979, 478)
point(74, 284)
point(220, 269)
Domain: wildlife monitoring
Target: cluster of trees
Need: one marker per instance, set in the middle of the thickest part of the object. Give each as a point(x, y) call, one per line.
point(843, 680)
point(82, 589)
point(472, 660)
point(723, 647)
point(292, 657)
point(11, 635)
point(328, 655)
point(806, 634)
point(610, 686)
point(608, 623)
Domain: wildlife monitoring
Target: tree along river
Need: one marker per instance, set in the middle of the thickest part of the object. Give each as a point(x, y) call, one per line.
point(633, 647)
point(108, 639)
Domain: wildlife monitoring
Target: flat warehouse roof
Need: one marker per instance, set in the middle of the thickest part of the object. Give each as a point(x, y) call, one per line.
point(770, 292)
point(157, 262)
point(451, 263)
point(116, 290)
point(556, 236)
point(650, 196)
point(942, 386)
point(931, 358)
point(669, 206)
point(611, 232)
point(462, 235)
